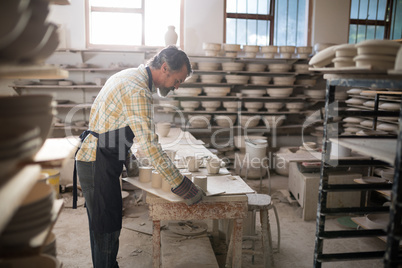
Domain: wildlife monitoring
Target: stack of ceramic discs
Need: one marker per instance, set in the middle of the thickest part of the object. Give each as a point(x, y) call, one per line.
point(25, 35)
point(376, 54)
point(33, 217)
point(344, 55)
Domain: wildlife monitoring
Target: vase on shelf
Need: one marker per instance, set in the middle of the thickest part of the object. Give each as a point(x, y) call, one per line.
point(171, 36)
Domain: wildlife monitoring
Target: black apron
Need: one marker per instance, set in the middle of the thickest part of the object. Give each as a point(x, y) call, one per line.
point(112, 149)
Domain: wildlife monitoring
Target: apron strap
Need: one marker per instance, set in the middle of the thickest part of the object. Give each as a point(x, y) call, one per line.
point(149, 78)
point(82, 138)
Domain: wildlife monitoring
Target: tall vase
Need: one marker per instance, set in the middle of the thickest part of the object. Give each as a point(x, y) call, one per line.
point(171, 36)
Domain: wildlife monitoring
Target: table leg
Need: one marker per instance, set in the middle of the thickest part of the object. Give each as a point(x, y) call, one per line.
point(156, 246)
point(235, 245)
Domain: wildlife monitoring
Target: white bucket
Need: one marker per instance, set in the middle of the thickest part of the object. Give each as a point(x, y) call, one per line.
point(256, 149)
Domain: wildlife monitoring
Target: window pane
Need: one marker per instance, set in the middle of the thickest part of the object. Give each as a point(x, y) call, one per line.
point(251, 32)
point(241, 32)
point(263, 33)
point(352, 33)
point(380, 31)
point(370, 32)
point(115, 28)
point(231, 31)
point(264, 7)
point(382, 6)
point(252, 6)
point(241, 6)
point(158, 16)
point(363, 10)
point(116, 3)
point(302, 24)
point(361, 33)
point(354, 8)
point(396, 23)
point(231, 6)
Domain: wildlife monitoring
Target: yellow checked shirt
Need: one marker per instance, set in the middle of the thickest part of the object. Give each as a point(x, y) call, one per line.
point(125, 100)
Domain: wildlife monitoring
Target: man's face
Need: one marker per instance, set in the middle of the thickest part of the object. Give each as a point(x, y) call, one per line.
point(172, 80)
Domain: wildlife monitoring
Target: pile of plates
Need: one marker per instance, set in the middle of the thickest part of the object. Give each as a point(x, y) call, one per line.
point(344, 55)
point(16, 145)
point(25, 35)
point(33, 217)
point(28, 111)
point(377, 54)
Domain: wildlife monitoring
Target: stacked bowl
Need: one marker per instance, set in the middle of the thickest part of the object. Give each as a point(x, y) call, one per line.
point(216, 91)
point(188, 91)
point(250, 51)
point(225, 120)
point(344, 55)
point(231, 50)
point(199, 121)
point(236, 79)
point(208, 66)
point(25, 35)
point(210, 106)
point(269, 52)
point(189, 106)
point(33, 216)
point(377, 54)
point(211, 49)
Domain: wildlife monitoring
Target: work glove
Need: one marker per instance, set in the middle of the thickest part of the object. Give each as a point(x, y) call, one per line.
point(191, 193)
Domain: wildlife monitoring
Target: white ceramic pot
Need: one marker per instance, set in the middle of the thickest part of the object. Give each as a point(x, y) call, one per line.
point(256, 149)
point(163, 129)
point(193, 163)
point(156, 180)
point(339, 150)
point(213, 165)
point(145, 174)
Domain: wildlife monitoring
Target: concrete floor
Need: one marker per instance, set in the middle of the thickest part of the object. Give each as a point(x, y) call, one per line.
point(296, 247)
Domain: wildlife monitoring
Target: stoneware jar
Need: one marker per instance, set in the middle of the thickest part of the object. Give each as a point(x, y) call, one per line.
point(170, 36)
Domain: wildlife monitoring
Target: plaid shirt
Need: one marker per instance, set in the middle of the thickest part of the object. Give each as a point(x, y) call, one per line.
point(125, 100)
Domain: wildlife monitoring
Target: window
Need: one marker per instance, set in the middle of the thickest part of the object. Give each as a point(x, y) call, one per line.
point(375, 19)
point(130, 23)
point(262, 22)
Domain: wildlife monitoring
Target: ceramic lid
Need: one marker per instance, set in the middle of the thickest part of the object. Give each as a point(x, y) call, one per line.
point(324, 57)
point(343, 59)
point(374, 57)
point(380, 43)
point(346, 47)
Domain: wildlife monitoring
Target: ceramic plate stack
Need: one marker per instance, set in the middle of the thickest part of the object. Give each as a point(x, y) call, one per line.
point(28, 111)
point(344, 55)
point(33, 216)
point(25, 35)
point(377, 54)
point(211, 49)
point(16, 145)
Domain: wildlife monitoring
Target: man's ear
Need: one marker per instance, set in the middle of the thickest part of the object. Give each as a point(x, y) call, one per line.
point(164, 68)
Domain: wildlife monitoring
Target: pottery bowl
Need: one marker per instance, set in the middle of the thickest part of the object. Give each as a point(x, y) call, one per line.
point(249, 48)
point(249, 121)
point(295, 106)
point(162, 129)
point(211, 53)
point(188, 91)
point(169, 105)
point(231, 54)
point(208, 66)
point(254, 93)
point(189, 105)
point(237, 79)
point(269, 49)
point(250, 54)
point(260, 80)
point(253, 106)
point(284, 80)
point(231, 106)
point(340, 62)
point(346, 50)
point(216, 91)
point(280, 92)
point(279, 67)
point(231, 47)
point(199, 121)
point(232, 66)
point(315, 93)
point(255, 67)
point(378, 62)
point(210, 106)
point(225, 120)
point(211, 46)
point(211, 78)
point(378, 47)
point(304, 50)
point(287, 49)
point(301, 68)
point(273, 106)
point(269, 55)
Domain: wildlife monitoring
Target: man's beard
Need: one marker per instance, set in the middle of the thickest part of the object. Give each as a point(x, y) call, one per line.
point(163, 92)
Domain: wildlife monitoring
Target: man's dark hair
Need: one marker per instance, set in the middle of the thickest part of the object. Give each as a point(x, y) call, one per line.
point(174, 57)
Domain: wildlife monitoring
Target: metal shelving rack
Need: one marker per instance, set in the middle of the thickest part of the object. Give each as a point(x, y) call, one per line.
point(392, 253)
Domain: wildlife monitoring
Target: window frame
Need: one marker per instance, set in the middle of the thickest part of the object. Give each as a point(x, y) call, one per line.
point(89, 9)
point(386, 22)
point(271, 18)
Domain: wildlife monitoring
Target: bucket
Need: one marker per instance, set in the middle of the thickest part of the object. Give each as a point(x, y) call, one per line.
point(53, 180)
point(256, 149)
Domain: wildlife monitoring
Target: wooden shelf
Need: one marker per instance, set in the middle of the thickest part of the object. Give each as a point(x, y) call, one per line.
point(381, 149)
point(56, 87)
point(14, 190)
point(22, 71)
